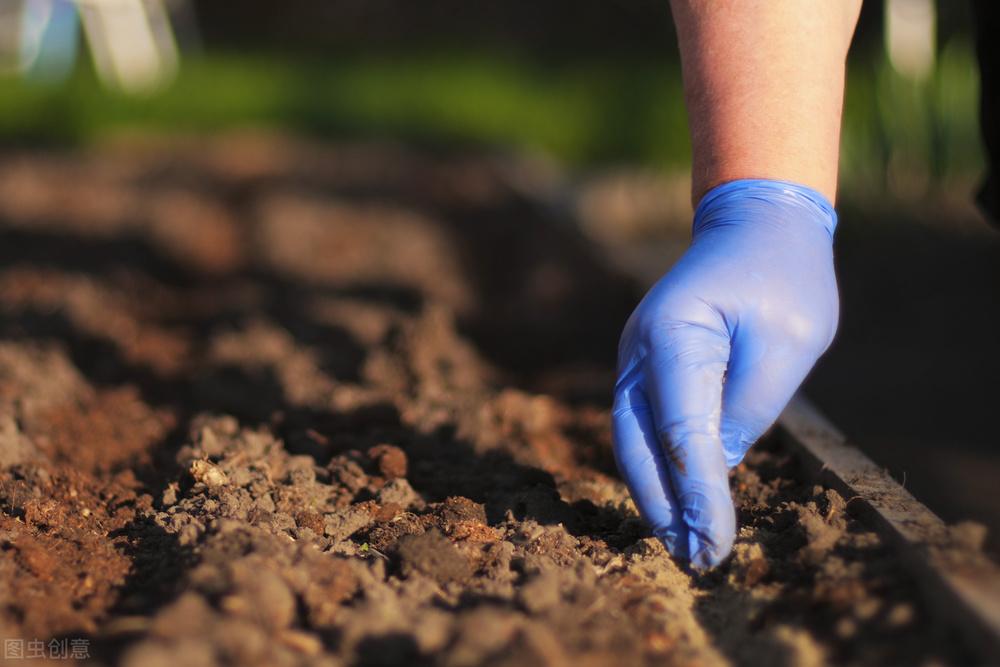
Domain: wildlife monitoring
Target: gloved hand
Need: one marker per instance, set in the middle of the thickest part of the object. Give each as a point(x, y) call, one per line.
point(714, 352)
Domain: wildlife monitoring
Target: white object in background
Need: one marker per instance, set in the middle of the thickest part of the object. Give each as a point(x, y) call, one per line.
point(39, 39)
point(49, 40)
point(132, 43)
point(910, 36)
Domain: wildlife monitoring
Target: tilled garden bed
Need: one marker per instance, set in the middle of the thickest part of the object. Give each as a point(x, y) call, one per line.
point(263, 403)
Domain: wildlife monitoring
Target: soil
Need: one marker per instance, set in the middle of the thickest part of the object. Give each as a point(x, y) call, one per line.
point(268, 403)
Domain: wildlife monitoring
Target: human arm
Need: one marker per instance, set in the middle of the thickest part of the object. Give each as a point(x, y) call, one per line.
point(764, 87)
point(718, 346)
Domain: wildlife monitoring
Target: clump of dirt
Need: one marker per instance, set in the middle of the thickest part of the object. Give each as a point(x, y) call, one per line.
point(349, 407)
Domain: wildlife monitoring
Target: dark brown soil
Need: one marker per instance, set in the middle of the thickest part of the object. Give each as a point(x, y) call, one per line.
point(263, 403)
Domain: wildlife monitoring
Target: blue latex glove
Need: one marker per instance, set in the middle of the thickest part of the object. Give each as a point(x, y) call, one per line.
point(714, 352)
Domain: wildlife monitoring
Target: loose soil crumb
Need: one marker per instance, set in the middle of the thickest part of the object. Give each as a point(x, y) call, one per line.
point(349, 407)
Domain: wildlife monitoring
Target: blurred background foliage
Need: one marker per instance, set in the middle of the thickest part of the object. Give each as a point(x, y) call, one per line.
point(588, 83)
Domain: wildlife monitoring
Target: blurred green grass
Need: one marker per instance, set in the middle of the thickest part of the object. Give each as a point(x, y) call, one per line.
point(912, 137)
point(579, 113)
point(582, 113)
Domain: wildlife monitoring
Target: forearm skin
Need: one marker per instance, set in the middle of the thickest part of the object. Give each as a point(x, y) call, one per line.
point(764, 87)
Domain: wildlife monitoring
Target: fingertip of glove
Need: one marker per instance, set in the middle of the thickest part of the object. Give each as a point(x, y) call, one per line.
point(673, 541)
point(735, 456)
point(705, 553)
